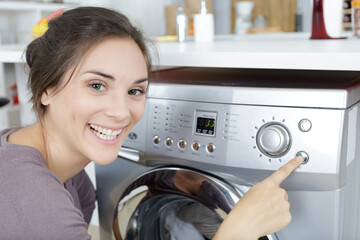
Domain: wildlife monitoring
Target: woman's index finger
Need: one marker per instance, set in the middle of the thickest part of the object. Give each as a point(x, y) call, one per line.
point(283, 172)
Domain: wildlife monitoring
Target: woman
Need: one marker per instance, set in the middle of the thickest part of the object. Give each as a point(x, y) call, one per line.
point(88, 77)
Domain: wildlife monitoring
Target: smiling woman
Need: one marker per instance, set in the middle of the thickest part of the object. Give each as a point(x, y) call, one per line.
point(109, 87)
point(88, 78)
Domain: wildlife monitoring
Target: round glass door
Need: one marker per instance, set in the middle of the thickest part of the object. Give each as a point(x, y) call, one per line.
point(172, 204)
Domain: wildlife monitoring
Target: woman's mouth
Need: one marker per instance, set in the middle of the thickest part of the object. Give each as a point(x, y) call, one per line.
point(104, 133)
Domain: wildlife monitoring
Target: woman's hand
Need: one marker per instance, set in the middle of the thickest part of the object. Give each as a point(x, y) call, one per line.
point(263, 210)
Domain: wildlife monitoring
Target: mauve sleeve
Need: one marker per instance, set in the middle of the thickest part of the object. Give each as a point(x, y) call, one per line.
point(86, 193)
point(35, 204)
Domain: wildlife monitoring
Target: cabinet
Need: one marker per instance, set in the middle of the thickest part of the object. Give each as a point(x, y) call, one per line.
point(9, 115)
point(16, 21)
point(17, 18)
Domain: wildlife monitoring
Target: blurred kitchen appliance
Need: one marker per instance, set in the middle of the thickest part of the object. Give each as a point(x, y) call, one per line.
point(327, 19)
point(279, 14)
point(243, 16)
point(231, 128)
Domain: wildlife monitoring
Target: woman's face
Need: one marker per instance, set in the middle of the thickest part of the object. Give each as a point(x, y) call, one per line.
point(96, 109)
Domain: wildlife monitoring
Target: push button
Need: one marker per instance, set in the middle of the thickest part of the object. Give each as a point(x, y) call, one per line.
point(210, 148)
point(196, 146)
point(182, 143)
point(169, 142)
point(156, 139)
point(305, 125)
point(304, 156)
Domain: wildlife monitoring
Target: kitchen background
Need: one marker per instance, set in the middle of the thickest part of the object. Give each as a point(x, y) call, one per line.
point(157, 17)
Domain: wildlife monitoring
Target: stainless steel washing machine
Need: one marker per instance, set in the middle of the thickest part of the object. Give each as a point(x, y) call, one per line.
point(209, 134)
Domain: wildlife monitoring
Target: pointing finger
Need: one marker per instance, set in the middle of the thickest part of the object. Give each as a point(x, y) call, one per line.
point(283, 172)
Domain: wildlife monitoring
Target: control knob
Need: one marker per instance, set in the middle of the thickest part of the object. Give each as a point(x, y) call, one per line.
point(273, 139)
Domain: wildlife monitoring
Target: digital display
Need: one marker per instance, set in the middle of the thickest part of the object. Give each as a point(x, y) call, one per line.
point(205, 125)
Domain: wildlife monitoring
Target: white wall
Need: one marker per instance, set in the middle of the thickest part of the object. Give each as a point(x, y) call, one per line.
point(147, 15)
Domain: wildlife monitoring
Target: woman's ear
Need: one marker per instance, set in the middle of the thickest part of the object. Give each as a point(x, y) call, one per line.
point(46, 97)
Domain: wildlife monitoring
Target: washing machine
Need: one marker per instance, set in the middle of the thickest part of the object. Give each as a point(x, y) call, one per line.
point(209, 134)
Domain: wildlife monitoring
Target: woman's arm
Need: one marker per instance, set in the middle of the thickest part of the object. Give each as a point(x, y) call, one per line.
point(263, 210)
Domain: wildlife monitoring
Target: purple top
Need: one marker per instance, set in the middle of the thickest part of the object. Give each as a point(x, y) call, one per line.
point(34, 204)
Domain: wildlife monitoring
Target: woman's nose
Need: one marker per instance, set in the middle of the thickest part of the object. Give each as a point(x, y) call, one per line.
point(117, 108)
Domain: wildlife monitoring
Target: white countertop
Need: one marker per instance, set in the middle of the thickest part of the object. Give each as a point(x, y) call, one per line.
point(279, 51)
point(271, 51)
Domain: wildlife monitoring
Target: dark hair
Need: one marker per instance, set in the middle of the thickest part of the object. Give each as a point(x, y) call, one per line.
point(67, 39)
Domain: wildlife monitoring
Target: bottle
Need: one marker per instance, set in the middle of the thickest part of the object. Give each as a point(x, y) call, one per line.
point(355, 10)
point(204, 25)
point(181, 25)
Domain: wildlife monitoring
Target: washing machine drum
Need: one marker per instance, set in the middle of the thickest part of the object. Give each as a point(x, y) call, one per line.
point(174, 204)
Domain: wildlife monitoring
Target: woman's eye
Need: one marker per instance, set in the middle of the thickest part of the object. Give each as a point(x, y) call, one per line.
point(135, 92)
point(97, 86)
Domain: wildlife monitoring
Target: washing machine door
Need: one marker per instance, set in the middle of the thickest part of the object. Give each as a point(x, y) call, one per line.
point(174, 204)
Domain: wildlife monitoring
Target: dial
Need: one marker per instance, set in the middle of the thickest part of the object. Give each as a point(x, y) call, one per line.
point(273, 139)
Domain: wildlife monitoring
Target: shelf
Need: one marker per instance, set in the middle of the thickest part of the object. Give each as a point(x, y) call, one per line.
point(12, 53)
point(31, 6)
point(347, 25)
point(10, 108)
point(347, 11)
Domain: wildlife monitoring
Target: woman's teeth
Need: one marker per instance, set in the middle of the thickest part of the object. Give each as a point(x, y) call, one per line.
point(103, 133)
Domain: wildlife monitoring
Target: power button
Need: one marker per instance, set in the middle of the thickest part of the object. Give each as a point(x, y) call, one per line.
point(304, 156)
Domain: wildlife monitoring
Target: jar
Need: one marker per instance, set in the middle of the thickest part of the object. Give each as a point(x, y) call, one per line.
point(355, 8)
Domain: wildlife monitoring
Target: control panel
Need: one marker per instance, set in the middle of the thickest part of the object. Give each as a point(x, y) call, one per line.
point(242, 135)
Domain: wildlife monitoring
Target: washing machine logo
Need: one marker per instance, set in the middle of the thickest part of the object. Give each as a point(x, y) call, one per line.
point(133, 136)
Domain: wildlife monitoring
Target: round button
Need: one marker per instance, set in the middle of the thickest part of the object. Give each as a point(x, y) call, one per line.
point(270, 140)
point(156, 139)
point(210, 148)
point(273, 139)
point(182, 143)
point(169, 141)
point(305, 125)
point(304, 156)
point(196, 146)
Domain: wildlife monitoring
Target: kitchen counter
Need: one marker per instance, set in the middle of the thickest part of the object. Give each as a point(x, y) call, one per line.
point(269, 51)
